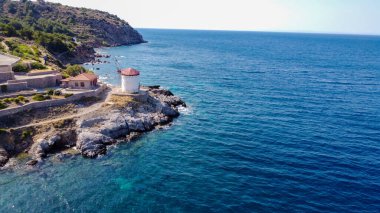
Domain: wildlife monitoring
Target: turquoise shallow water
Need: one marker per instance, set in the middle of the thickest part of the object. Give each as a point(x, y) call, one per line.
point(276, 123)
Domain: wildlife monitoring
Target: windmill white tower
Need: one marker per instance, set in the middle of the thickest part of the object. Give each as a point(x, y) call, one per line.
point(130, 80)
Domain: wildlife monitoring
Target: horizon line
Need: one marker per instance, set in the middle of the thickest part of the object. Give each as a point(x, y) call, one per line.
point(262, 31)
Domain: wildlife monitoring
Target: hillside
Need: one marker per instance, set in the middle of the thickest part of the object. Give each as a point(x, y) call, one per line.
point(69, 34)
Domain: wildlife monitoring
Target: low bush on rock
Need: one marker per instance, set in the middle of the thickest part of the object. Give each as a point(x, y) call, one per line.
point(68, 95)
point(37, 66)
point(57, 92)
point(20, 67)
point(50, 91)
point(3, 105)
point(40, 97)
point(21, 98)
point(25, 134)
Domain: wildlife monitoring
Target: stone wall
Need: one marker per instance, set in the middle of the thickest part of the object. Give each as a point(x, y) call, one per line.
point(17, 86)
point(52, 103)
point(44, 82)
point(5, 68)
point(40, 82)
point(6, 73)
point(42, 73)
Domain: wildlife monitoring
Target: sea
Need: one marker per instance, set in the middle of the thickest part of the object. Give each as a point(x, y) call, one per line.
point(276, 122)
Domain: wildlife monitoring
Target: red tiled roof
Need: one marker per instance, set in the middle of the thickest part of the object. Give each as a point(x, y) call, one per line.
point(130, 72)
point(84, 77)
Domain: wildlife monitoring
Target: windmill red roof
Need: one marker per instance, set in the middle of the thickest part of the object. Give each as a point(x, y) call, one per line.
point(130, 72)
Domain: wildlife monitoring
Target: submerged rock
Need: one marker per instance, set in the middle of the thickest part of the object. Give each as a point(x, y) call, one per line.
point(32, 162)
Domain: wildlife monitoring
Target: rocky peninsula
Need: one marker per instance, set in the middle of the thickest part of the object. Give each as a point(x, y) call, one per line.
point(114, 119)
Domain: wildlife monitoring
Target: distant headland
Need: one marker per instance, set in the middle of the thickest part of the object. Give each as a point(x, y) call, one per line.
point(62, 34)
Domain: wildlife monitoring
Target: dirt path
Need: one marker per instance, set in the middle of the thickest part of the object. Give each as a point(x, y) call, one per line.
point(82, 112)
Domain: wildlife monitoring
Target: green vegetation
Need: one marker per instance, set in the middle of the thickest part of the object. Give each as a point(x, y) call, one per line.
point(62, 33)
point(50, 91)
point(3, 105)
point(37, 66)
point(68, 95)
point(3, 131)
point(41, 97)
point(20, 67)
point(22, 50)
point(52, 35)
point(23, 67)
point(57, 92)
point(8, 100)
point(73, 70)
point(21, 98)
point(26, 134)
point(17, 100)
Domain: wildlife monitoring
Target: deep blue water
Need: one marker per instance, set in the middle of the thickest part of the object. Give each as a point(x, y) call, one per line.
point(276, 123)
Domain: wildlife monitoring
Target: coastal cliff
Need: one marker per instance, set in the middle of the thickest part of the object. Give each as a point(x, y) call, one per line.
point(70, 34)
point(121, 118)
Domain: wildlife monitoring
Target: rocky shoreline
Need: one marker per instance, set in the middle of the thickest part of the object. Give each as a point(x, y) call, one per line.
point(121, 118)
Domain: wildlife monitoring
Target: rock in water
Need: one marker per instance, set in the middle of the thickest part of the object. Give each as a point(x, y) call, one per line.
point(92, 144)
point(4, 156)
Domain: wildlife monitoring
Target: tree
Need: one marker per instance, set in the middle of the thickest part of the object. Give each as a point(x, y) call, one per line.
point(12, 8)
point(74, 70)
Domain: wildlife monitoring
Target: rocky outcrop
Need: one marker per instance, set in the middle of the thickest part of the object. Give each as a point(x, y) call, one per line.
point(122, 118)
point(52, 142)
point(144, 113)
point(92, 133)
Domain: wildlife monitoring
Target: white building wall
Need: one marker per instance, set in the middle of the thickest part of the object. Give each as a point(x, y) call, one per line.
point(130, 84)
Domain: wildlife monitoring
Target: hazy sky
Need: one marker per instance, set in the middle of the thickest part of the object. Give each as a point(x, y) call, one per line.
point(332, 16)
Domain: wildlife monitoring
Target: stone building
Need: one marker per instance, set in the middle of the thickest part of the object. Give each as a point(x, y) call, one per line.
point(82, 81)
point(6, 63)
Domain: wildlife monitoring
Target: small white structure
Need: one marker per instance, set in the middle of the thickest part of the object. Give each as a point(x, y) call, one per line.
point(130, 80)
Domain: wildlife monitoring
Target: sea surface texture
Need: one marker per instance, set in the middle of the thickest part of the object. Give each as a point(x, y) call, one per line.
point(276, 123)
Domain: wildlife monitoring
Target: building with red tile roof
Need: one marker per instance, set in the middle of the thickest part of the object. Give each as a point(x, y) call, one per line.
point(82, 81)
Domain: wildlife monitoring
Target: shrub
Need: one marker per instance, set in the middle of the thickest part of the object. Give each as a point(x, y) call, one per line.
point(37, 66)
point(3, 105)
point(8, 100)
point(74, 70)
point(2, 130)
point(68, 95)
point(47, 97)
point(17, 101)
point(25, 134)
point(38, 97)
point(20, 67)
point(21, 98)
point(57, 92)
point(4, 88)
point(50, 91)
